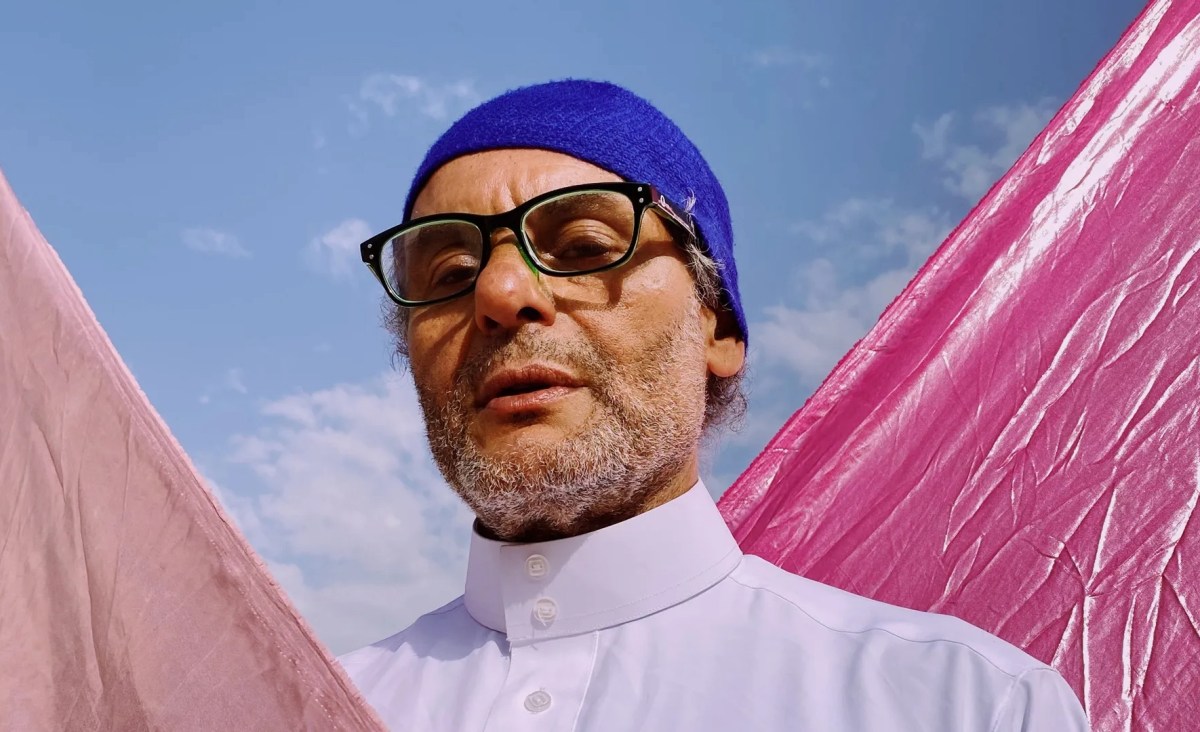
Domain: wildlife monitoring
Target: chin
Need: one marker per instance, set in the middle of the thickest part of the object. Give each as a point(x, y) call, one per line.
point(525, 444)
point(526, 431)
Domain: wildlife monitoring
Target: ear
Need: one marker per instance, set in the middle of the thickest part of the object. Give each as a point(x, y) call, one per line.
point(725, 350)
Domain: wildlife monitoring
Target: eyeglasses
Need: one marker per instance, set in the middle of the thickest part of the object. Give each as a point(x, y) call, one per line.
point(567, 232)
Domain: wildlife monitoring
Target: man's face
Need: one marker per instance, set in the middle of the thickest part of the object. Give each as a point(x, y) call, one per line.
point(558, 405)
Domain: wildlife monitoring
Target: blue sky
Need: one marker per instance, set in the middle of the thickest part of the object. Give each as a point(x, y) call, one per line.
point(206, 172)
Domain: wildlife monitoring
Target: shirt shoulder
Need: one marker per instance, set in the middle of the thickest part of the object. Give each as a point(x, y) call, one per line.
point(445, 629)
point(980, 675)
point(843, 612)
point(433, 674)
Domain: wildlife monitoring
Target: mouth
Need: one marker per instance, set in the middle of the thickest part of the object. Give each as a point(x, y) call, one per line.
point(525, 388)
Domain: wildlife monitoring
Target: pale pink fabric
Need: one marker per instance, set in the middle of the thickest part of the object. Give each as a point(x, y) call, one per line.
point(1017, 441)
point(127, 599)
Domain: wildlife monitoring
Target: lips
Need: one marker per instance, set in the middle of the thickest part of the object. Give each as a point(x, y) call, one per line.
point(525, 387)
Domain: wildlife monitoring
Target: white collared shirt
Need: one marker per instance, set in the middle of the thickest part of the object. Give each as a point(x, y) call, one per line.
point(661, 623)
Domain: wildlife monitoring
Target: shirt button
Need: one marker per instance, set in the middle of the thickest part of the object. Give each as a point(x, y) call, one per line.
point(545, 610)
point(538, 701)
point(536, 566)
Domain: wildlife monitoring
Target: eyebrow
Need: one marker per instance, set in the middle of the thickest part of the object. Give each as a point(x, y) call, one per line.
point(437, 233)
point(585, 201)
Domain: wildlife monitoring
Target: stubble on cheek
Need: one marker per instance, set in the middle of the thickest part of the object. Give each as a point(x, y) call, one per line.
point(643, 427)
point(453, 421)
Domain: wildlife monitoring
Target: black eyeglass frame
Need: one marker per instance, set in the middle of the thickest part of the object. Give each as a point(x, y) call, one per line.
point(642, 195)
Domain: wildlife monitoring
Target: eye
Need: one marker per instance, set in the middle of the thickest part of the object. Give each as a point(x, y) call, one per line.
point(581, 231)
point(581, 245)
point(453, 271)
point(582, 248)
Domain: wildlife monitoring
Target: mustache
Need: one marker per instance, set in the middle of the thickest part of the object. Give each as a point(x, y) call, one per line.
point(524, 346)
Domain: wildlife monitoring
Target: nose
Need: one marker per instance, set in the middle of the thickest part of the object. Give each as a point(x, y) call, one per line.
point(509, 293)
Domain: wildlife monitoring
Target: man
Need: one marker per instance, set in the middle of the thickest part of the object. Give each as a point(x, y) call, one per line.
point(567, 301)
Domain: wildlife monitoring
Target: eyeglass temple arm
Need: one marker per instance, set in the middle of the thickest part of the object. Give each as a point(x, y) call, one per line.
point(672, 211)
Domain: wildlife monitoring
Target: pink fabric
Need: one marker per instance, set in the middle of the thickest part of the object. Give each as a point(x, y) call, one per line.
point(127, 599)
point(1016, 442)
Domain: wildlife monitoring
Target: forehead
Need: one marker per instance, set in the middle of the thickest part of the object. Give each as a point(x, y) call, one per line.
point(497, 180)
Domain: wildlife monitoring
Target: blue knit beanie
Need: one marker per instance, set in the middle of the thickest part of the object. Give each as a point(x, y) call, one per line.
point(609, 127)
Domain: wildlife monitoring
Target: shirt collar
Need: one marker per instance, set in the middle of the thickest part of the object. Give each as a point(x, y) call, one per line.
point(622, 572)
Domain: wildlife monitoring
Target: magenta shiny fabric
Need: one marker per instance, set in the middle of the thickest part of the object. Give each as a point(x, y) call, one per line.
point(128, 601)
point(1016, 442)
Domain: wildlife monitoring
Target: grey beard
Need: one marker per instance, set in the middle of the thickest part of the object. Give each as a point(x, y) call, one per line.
point(647, 428)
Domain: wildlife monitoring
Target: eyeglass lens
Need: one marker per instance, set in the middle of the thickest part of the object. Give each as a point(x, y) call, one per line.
point(577, 232)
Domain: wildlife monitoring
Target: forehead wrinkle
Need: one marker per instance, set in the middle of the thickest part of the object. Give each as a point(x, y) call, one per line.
point(498, 180)
point(458, 193)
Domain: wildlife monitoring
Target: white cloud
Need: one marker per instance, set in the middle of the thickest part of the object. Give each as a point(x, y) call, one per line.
point(870, 248)
point(810, 339)
point(353, 515)
point(873, 227)
point(335, 253)
point(232, 381)
point(875, 246)
point(776, 56)
point(885, 243)
point(1003, 133)
point(359, 119)
point(394, 94)
point(211, 241)
point(350, 613)
point(235, 382)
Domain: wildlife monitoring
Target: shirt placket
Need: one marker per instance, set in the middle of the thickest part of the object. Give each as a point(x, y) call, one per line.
point(546, 684)
point(548, 675)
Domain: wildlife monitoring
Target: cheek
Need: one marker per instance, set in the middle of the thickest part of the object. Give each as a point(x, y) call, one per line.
point(658, 292)
point(652, 300)
point(437, 344)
